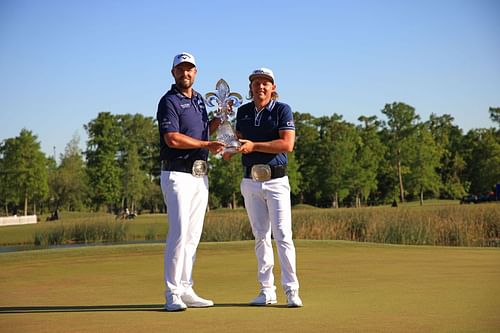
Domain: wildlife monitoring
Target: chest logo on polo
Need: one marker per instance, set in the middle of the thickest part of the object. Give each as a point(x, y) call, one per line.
point(186, 105)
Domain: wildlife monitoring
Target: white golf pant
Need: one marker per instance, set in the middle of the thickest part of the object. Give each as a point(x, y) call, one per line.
point(269, 210)
point(186, 198)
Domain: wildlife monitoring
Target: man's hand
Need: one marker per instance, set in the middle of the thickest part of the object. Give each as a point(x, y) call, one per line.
point(246, 147)
point(215, 147)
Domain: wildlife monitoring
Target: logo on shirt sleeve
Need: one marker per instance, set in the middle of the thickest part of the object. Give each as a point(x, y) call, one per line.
point(165, 124)
point(290, 123)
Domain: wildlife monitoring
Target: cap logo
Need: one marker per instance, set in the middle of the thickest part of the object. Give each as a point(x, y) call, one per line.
point(264, 72)
point(183, 57)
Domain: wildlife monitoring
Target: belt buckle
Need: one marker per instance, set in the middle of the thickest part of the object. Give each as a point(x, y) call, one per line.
point(261, 172)
point(200, 168)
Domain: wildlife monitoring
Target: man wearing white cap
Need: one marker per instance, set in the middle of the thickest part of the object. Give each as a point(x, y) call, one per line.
point(267, 133)
point(184, 145)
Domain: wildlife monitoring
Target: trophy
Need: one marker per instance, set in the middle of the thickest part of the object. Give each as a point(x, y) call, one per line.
point(223, 99)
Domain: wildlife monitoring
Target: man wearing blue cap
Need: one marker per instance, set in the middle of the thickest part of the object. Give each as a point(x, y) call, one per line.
point(184, 145)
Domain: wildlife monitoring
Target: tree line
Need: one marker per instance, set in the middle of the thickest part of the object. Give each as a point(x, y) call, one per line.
point(335, 164)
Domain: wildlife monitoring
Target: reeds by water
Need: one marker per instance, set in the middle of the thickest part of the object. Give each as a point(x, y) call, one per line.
point(474, 225)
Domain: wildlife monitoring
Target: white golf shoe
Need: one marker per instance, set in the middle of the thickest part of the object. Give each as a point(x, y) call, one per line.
point(174, 303)
point(264, 298)
point(192, 300)
point(293, 298)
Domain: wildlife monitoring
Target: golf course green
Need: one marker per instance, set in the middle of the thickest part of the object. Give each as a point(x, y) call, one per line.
point(345, 286)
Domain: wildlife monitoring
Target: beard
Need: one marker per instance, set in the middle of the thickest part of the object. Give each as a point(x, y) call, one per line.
point(184, 83)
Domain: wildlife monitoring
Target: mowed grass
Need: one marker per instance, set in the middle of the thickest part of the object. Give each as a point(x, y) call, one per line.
point(345, 286)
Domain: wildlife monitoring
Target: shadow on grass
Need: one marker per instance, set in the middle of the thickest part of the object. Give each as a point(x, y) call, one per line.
point(81, 308)
point(101, 308)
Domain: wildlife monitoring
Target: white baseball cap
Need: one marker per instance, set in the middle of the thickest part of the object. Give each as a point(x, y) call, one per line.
point(262, 72)
point(183, 57)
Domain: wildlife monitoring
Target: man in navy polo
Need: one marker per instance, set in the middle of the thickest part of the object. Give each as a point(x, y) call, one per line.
point(184, 145)
point(267, 133)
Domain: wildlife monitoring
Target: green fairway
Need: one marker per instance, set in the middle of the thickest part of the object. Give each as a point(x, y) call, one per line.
point(345, 286)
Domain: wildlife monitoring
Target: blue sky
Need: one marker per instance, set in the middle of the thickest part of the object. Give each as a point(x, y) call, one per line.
point(63, 62)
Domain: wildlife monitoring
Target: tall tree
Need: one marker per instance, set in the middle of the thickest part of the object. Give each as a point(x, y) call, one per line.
point(368, 155)
point(24, 170)
point(448, 138)
point(138, 157)
point(337, 146)
point(52, 179)
point(400, 127)
point(102, 167)
point(134, 179)
point(8, 190)
point(306, 153)
point(423, 164)
point(69, 185)
point(482, 156)
point(142, 133)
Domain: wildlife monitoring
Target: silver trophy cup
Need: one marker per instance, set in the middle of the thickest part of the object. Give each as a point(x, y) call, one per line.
point(222, 98)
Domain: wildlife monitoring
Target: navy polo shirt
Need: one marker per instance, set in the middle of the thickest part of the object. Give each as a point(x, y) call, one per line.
point(178, 113)
point(264, 126)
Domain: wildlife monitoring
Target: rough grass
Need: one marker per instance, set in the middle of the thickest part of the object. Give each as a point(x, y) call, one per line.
point(345, 286)
point(448, 225)
point(445, 224)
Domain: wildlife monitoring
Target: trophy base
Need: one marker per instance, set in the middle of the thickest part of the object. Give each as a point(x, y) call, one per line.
point(231, 149)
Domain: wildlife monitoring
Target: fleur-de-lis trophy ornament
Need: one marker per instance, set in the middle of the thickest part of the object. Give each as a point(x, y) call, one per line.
point(223, 99)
